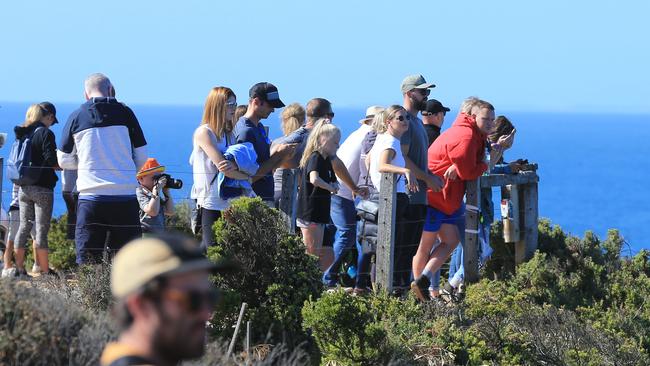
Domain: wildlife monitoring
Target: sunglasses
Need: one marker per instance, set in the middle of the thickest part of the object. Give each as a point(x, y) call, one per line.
point(424, 92)
point(402, 118)
point(426, 114)
point(193, 301)
point(231, 104)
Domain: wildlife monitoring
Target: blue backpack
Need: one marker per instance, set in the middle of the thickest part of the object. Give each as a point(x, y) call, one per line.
point(19, 165)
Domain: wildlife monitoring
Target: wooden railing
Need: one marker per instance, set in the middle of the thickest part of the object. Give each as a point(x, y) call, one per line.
point(520, 189)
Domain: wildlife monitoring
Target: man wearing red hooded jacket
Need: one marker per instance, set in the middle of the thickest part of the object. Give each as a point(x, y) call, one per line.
point(458, 155)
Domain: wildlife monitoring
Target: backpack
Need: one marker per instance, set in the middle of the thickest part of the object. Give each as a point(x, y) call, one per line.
point(19, 163)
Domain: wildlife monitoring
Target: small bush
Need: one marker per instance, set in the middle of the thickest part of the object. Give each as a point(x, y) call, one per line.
point(180, 220)
point(94, 286)
point(347, 330)
point(62, 250)
point(44, 328)
point(373, 330)
point(275, 277)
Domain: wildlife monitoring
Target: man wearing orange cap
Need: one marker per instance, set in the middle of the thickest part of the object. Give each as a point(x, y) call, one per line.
point(153, 205)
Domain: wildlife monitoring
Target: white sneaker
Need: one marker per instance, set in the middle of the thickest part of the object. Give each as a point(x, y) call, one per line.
point(36, 268)
point(9, 273)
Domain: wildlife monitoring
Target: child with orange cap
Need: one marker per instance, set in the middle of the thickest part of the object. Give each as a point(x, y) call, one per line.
point(154, 204)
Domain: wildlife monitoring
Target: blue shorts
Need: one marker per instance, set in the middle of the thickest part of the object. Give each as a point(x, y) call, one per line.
point(436, 218)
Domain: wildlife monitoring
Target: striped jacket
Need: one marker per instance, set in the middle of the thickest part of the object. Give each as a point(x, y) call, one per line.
point(104, 142)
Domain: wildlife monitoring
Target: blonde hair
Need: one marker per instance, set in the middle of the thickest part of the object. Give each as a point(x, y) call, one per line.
point(34, 114)
point(380, 120)
point(239, 111)
point(293, 116)
point(214, 112)
point(323, 130)
point(467, 105)
point(481, 104)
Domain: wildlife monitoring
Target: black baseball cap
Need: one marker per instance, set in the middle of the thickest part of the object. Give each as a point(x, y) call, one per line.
point(434, 106)
point(50, 109)
point(267, 92)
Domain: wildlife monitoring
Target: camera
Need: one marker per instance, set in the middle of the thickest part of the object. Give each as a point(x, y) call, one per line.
point(169, 182)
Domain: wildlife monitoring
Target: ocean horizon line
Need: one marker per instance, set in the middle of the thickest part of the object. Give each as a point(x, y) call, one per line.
point(535, 110)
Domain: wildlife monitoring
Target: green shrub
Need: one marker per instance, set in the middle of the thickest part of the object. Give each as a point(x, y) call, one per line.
point(275, 276)
point(62, 251)
point(347, 330)
point(576, 302)
point(373, 330)
point(180, 220)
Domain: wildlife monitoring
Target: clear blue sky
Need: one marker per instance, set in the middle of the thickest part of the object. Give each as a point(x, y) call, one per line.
point(554, 55)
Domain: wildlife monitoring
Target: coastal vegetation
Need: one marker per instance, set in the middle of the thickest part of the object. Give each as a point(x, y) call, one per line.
point(578, 301)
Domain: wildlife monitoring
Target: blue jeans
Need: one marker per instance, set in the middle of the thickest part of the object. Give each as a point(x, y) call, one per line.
point(485, 250)
point(344, 217)
point(456, 267)
point(363, 261)
point(435, 281)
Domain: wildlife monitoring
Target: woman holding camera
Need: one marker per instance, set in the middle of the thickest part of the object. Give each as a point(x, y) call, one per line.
point(210, 141)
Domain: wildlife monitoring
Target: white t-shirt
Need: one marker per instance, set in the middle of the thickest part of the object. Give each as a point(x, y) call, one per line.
point(350, 153)
point(386, 141)
point(204, 172)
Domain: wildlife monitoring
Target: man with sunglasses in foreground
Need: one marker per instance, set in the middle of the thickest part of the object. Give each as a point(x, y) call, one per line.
point(163, 299)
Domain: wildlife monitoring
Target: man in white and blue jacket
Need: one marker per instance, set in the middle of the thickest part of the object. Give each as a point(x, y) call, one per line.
point(103, 141)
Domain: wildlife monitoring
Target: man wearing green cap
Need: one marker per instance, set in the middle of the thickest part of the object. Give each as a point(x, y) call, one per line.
point(163, 299)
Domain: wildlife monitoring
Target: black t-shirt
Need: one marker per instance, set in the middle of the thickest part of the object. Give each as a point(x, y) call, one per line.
point(314, 202)
point(433, 132)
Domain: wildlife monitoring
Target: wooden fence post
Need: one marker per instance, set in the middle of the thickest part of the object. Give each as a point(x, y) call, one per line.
point(526, 246)
point(470, 249)
point(510, 216)
point(386, 232)
point(288, 198)
point(231, 347)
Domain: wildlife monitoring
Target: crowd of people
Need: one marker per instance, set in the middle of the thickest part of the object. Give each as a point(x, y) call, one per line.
point(116, 194)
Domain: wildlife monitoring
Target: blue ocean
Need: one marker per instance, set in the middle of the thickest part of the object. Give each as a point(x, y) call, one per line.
point(591, 166)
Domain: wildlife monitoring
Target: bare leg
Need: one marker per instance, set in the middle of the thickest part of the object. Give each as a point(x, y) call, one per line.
point(20, 258)
point(42, 254)
point(424, 249)
point(448, 242)
point(312, 236)
point(35, 255)
point(8, 256)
